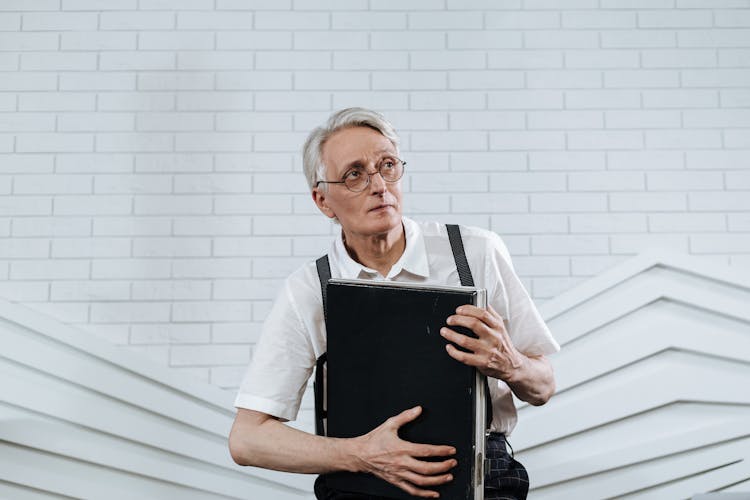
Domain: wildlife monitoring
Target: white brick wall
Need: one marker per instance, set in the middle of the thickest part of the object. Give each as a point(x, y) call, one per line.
point(150, 179)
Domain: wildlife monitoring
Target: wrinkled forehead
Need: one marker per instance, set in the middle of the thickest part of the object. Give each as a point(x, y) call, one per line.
point(353, 144)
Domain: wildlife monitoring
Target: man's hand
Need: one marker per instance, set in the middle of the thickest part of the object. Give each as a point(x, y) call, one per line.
point(494, 355)
point(387, 456)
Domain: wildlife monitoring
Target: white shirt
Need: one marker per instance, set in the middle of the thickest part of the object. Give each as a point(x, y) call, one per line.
point(294, 333)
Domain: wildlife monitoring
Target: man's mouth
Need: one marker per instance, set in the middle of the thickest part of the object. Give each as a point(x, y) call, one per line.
point(380, 207)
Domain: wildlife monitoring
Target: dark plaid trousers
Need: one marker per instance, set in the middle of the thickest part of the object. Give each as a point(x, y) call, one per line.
point(506, 478)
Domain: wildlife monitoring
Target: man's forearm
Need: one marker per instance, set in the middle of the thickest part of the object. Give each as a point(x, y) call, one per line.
point(533, 381)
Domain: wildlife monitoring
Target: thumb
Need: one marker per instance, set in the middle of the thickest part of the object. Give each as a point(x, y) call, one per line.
point(406, 416)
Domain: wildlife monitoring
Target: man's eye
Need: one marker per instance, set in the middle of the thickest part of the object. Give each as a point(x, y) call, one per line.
point(388, 163)
point(352, 174)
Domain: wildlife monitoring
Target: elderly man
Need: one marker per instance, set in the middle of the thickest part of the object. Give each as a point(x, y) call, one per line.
point(353, 168)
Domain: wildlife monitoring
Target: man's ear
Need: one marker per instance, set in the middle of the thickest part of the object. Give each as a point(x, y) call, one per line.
point(319, 197)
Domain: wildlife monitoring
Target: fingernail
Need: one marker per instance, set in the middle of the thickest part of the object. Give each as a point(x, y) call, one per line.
point(443, 331)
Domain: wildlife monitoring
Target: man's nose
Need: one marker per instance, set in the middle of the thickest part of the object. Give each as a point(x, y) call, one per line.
point(377, 183)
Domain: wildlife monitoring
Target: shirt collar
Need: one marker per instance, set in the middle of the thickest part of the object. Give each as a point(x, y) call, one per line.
point(413, 260)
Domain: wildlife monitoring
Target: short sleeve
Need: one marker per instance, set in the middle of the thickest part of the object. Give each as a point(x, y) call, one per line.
point(282, 362)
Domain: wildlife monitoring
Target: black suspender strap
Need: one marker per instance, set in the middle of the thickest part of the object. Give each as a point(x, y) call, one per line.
point(459, 255)
point(324, 274)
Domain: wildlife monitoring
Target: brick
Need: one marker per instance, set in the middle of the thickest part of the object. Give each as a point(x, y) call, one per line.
point(720, 118)
point(28, 248)
point(276, 267)
point(132, 226)
point(448, 141)
point(10, 22)
point(569, 245)
point(638, 39)
point(530, 223)
point(560, 39)
point(527, 182)
point(173, 40)
point(716, 78)
point(52, 184)
point(427, 162)
point(608, 223)
point(174, 121)
point(602, 59)
point(709, 4)
point(486, 80)
point(133, 142)
point(554, 120)
point(129, 312)
point(257, 80)
point(682, 223)
point(522, 20)
point(525, 99)
point(486, 120)
point(637, 4)
point(484, 40)
point(737, 180)
point(213, 183)
point(641, 79)
point(59, 21)
point(215, 101)
point(709, 160)
point(714, 38)
point(49, 269)
point(598, 19)
point(734, 139)
point(732, 18)
point(680, 98)
point(298, 60)
point(280, 183)
point(569, 202)
point(137, 21)
point(407, 40)
point(171, 290)
point(82, 80)
point(598, 99)
point(97, 40)
point(557, 4)
point(454, 59)
point(7, 144)
point(171, 247)
point(25, 291)
point(527, 140)
point(737, 222)
point(208, 355)
point(170, 334)
point(330, 5)
point(612, 139)
point(426, 203)
point(408, 5)
point(56, 101)
point(253, 40)
point(445, 20)
point(95, 5)
point(719, 201)
point(683, 139)
point(91, 162)
point(136, 101)
point(218, 141)
point(311, 246)
point(484, 203)
point(278, 142)
point(26, 164)
point(606, 181)
point(250, 247)
point(483, 4)
point(189, 162)
point(636, 243)
point(95, 122)
point(27, 122)
point(679, 58)
point(372, 60)
point(92, 205)
point(90, 247)
point(274, 225)
point(291, 21)
point(649, 202)
point(28, 41)
point(65, 312)
point(737, 58)
point(643, 119)
point(368, 21)
point(215, 60)
point(28, 82)
point(567, 160)
point(54, 143)
point(675, 19)
point(216, 20)
point(284, 101)
point(117, 61)
point(254, 4)
point(172, 205)
point(719, 243)
point(381, 101)
point(210, 268)
point(409, 80)
point(213, 225)
point(331, 80)
point(26, 5)
point(182, 80)
point(49, 226)
point(124, 184)
point(9, 62)
point(592, 265)
point(250, 121)
point(542, 266)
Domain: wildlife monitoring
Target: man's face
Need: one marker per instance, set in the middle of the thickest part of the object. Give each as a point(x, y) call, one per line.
point(377, 209)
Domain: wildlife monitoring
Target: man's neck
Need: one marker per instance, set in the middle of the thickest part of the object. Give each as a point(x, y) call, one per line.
point(378, 252)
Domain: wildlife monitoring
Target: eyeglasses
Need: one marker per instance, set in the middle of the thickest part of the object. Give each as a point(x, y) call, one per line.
point(357, 179)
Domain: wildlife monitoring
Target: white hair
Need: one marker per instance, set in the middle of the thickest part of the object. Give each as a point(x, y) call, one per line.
point(312, 152)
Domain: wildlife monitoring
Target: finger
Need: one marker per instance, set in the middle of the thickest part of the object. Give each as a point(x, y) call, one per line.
point(459, 339)
point(463, 357)
point(414, 491)
point(487, 316)
point(422, 480)
point(430, 450)
point(404, 417)
point(426, 468)
point(476, 325)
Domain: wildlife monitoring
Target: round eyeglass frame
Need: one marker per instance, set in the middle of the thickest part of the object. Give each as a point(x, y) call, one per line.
point(369, 176)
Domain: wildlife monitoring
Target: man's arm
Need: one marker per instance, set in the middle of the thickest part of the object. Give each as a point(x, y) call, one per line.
point(261, 440)
point(493, 353)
